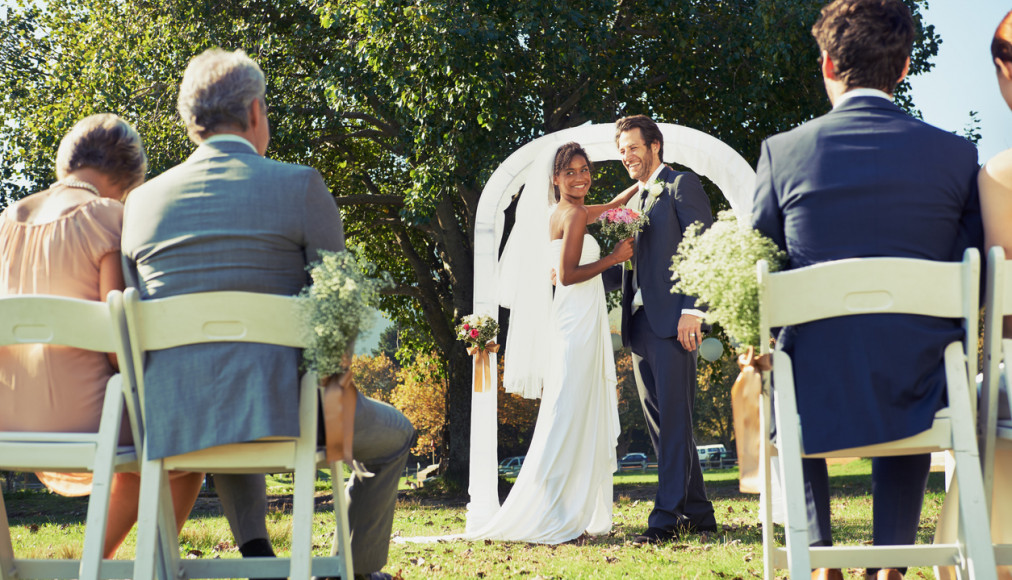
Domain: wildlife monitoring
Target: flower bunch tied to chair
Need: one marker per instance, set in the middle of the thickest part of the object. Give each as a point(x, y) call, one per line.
point(340, 304)
point(718, 267)
point(478, 332)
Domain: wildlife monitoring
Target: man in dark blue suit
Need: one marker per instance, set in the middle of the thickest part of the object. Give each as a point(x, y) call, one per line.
point(867, 179)
point(663, 329)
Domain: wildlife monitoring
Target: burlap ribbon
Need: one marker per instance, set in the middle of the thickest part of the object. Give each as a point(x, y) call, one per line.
point(482, 370)
point(745, 407)
point(339, 398)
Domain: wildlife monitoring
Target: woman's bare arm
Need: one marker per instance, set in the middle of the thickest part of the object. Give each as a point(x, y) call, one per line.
point(570, 270)
point(595, 211)
point(110, 277)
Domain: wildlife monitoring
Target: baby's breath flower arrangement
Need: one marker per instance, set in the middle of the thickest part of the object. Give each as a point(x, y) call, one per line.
point(479, 332)
point(339, 306)
point(717, 266)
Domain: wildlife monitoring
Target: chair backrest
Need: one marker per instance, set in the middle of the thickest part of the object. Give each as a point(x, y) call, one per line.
point(57, 320)
point(207, 317)
point(873, 286)
point(61, 321)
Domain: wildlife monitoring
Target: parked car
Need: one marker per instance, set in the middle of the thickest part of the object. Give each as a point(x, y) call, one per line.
point(709, 455)
point(511, 465)
point(633, 461)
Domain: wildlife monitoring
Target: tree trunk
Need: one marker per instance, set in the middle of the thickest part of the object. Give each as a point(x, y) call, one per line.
point(459, 420)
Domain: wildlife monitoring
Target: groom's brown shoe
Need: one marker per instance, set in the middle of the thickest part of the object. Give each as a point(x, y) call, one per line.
point(654, 536)
point(827, 574)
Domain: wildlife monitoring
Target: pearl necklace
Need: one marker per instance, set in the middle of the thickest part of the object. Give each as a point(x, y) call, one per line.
point(78, 185)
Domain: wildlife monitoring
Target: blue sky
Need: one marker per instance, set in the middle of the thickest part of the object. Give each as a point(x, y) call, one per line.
point(963, 79)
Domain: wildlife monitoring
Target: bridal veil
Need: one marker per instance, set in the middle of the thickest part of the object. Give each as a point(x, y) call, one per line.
point(525, 285)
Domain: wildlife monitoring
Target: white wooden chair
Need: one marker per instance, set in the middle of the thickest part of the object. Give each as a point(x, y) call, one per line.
point(994, 431)
point(234, 317)
point(865, 286)
point(90, 325)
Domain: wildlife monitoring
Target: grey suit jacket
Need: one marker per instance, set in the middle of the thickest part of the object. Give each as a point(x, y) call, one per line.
point(225, 219)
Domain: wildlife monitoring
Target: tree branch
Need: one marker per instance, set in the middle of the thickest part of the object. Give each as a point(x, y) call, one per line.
point(370, 199)
point(402, 290)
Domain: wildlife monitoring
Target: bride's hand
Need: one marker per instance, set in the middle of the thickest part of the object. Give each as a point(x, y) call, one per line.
point(623, 250)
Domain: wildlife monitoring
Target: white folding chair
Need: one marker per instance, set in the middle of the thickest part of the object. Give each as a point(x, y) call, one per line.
point(90, 325)
point(994, 430)
point(234, 317)
point(867, 286)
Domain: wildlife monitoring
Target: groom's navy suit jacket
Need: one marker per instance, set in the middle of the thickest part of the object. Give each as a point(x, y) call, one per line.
point(868, 180)
point(682, 203)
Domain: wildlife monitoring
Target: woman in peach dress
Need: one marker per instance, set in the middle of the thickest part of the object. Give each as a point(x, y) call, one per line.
point(65, 241)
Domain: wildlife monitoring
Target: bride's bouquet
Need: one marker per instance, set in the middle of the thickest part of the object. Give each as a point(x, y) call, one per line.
point(717, 266)
point(339, 306)
point(618, 224)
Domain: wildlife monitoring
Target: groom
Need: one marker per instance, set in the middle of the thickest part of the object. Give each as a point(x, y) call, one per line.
point(663, 329)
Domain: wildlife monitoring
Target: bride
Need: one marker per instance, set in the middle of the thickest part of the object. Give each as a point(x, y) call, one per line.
point(560, 349)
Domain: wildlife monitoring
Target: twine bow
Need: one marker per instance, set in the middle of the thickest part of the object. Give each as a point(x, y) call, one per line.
point(339, 399)
point(482, 370)
point(745, 409)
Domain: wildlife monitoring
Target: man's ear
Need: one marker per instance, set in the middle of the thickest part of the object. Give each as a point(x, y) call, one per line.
point(906, 69)
point(828, 67)
point(253, 113)
point(1004, 68)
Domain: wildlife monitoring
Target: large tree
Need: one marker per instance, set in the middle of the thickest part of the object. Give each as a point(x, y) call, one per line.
point(407, 107)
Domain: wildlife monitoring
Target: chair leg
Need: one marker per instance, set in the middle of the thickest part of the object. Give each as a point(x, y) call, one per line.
point(973, 516)
point(155, 557)
point(766, 499)
point(97, 519)
point(789, 447)
point(303, 504)
point(7, 569)
point(342, 538)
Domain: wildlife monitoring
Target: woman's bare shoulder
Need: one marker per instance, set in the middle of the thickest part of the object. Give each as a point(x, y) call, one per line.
point(997, 171)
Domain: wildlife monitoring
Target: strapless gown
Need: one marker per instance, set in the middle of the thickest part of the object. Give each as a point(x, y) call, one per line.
point(565, 485)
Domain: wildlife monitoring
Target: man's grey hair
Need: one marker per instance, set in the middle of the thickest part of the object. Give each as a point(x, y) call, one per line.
point(217, 90)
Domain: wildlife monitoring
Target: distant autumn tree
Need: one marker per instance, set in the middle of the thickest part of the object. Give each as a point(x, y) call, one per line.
point(712, 418)
point(375, 376)
point(421, 395)
point(630, 410)
point(516, 418)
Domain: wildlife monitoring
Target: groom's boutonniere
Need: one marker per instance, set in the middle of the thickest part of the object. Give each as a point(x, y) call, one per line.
point(654, 190)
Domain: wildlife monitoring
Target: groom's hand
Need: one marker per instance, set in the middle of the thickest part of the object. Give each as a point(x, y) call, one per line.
point(690, 331)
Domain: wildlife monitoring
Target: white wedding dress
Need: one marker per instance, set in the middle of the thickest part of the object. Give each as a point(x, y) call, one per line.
point(565, 485)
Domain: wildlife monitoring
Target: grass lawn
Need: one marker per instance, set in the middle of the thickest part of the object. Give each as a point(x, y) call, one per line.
point(45, 525)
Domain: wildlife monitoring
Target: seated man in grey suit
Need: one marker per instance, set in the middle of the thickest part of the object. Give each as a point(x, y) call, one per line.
point(229, 219)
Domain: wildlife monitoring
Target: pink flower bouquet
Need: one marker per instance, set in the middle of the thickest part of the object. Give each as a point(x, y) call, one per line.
point(618, 224)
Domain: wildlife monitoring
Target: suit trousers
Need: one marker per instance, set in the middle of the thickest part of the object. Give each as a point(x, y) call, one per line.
point(897, 489)
point(382, 439)
point(666, 379)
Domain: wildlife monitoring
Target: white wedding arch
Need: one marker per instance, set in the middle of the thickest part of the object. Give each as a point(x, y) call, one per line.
point(702, 153)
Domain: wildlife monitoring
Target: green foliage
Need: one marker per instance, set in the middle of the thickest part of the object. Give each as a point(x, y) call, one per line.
point(730, 292)
point(406, 108)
